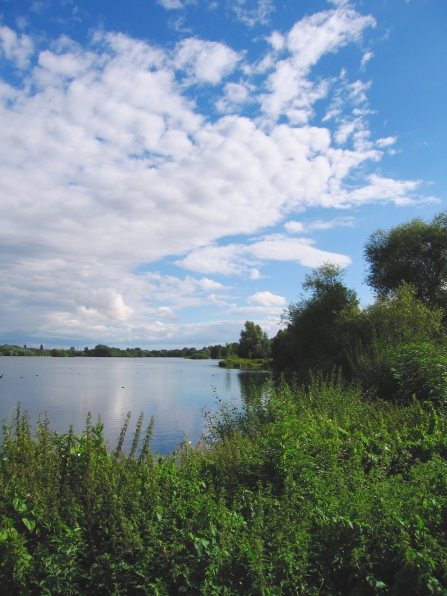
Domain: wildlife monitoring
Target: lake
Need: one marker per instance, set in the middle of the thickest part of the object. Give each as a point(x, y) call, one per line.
point(173, 390)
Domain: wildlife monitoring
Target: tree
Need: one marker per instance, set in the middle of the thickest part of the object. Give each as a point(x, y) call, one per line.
point(253, 343)
point(414, 252)
point(216, 352)
point(314, 338)
point(389, 336)
point(102, 351)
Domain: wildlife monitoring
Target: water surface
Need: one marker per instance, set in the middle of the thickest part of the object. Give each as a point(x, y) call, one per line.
point(174, 390)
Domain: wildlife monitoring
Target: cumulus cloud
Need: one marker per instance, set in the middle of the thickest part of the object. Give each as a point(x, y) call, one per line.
point(17, 48)
point(291, 93)
point(103, 302)
point(255, 274)
point(109, 165)
point(294, 227)
point(267, 299)
point(205, 61)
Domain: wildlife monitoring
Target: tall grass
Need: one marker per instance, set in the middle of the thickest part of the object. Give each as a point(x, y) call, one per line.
point(303, 492)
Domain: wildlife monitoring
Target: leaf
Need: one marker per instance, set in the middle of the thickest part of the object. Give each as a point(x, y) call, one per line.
point(19, 505)
point(29, 523)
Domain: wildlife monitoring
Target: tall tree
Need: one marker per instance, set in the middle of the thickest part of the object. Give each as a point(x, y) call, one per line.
point(254, 343)
point(414, 252)
point(313, 339)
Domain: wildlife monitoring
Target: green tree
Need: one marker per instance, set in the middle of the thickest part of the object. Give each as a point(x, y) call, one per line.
point(387, 337)
point(253, 343)
point(314, 339)
point(216, 352)
point(414, 252)
point(102, 351)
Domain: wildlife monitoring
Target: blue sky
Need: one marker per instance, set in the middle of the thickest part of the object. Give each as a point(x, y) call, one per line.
point(171, 169)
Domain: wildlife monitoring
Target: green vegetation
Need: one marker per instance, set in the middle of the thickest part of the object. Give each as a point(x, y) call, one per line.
point(252, 352)
point(11, 350)
point(103, 351)
point(333, 483)
point(414, 252)
point(315, 338)
point(304, 492)
point(234, 361)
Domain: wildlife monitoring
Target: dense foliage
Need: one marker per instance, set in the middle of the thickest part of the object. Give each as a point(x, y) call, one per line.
point(414, 252)
point(253, 342)
point(391, 349)
point(13, 350)
point(315, 339)
point(303, 492)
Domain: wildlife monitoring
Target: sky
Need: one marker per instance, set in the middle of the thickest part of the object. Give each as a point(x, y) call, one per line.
point(170, 169)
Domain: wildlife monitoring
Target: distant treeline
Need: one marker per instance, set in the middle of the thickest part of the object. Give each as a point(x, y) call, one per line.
point(103, 351)
point(10, 350)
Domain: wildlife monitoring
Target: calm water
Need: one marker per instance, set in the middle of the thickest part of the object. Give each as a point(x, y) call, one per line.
point(174, 390)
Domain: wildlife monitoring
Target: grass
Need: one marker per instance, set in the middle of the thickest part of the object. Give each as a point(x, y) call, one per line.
point(309, 492)
point(246, 363)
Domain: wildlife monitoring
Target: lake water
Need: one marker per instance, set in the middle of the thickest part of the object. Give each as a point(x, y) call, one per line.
point(173, 390)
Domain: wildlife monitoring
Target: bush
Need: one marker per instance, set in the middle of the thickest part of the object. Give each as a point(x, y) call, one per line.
point(421, 370)
point(297, 492)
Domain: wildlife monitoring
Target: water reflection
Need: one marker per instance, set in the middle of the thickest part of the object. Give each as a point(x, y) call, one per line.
point(249, 380)
point(174, 390)
point(228, 380)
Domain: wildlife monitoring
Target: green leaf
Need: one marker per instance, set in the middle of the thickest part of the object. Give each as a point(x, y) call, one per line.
point(29, 523)
point(19, 505)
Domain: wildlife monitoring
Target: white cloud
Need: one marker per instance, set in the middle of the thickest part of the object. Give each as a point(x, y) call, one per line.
point(267, 299)
point(17, 48)
point(108, 165)
point(103, 302)
point(386, 142)
point(276, 40)
point(294, 227)
point(299, 250)
point(214, 259)
point(254, 311)
point(209, 284)
point(236, 259)
point(167, 313)
point(366, 58)
point(171, 4)
point(291, 93)
point(255, 273)
point(205, 61)
point(253, 12)
point(235, 95)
